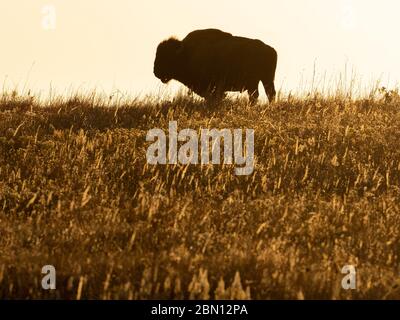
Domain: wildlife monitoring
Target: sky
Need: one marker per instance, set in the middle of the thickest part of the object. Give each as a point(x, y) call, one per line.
point(106, 45)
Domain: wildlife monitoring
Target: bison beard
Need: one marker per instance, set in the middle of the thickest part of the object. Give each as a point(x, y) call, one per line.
point(211, 62)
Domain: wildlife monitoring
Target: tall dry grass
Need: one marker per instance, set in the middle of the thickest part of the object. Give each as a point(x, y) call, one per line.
point(76, 192)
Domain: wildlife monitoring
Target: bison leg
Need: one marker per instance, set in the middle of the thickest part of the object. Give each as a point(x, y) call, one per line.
point(215, 95)
point(253, 94)
point(270, 91)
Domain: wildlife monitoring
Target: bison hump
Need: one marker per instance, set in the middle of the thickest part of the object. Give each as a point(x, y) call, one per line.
point(206, 35)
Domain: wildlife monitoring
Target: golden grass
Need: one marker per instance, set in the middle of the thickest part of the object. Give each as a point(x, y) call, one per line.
point(76, 192)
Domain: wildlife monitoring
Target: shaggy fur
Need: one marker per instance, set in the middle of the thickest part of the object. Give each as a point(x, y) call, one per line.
point(211, 62)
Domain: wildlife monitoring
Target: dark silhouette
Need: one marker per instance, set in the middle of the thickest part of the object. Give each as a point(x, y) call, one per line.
point(211, 62)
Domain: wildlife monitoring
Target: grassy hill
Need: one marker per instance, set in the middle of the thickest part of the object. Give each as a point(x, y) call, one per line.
point(76, 192)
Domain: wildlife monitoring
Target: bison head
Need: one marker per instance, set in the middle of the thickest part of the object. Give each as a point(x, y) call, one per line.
point(167, 59)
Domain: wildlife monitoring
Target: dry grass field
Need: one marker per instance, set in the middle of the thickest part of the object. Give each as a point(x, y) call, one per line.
point(76, 192)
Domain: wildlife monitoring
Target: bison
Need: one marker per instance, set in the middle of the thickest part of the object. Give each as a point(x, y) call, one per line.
point(212, 62)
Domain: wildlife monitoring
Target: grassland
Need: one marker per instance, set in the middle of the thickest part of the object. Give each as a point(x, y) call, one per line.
point(76, 192)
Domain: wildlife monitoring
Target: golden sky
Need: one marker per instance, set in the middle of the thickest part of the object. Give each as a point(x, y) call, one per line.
point(110, 45)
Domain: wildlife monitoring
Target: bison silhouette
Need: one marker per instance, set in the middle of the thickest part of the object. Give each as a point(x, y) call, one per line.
point(212, 62)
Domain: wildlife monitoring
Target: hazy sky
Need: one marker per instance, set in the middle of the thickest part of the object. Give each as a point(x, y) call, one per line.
point(111, 44)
